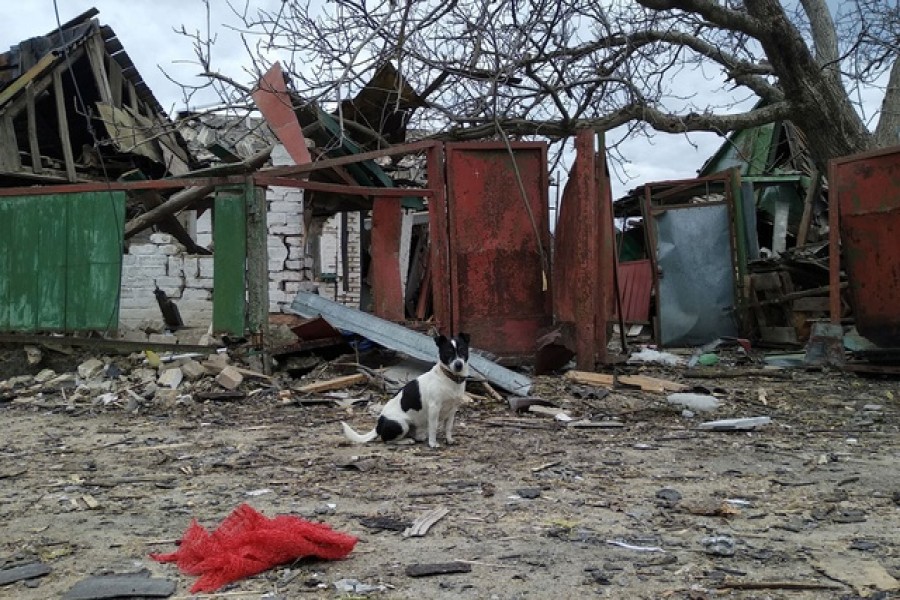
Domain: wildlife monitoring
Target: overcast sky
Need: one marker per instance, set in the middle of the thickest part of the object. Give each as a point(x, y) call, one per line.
point(147, 31)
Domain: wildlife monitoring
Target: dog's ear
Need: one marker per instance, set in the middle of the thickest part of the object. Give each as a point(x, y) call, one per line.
point(440, 340)
point(464, 337)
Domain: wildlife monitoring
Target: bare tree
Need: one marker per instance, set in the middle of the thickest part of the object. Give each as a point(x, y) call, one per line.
point(548, 67)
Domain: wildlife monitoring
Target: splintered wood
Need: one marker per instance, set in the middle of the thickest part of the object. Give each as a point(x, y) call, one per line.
point(333, 384)
point(646, 384)
point(421, 525)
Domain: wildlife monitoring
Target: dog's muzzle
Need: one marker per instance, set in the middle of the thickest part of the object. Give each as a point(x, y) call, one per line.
point(457, 365)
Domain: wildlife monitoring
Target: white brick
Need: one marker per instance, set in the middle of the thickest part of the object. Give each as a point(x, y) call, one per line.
point(293, 240)
point(162, 238)
point(293, 265)
point(189, 266)
point(205, 266)
point(284, 207)
point(143, 249)
point(175, 266)
point(199, 283)
point(276, 218)
point(281, 276)
point(204, 223)
point(196, 294)
point(152, 261)
point(285, 229)
point(171, 249)
point(167, 281)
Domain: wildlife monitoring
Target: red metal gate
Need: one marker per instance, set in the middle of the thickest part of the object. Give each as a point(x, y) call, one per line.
point(865, 190)
point(498, 243)
point(583, 290)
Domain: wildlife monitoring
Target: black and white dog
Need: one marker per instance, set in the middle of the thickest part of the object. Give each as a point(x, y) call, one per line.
point(427, 402)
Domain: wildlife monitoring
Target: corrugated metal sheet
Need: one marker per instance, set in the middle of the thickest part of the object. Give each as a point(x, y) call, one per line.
point(867, 191)
point(635, 285)
point(499, 244)
point(61, 261)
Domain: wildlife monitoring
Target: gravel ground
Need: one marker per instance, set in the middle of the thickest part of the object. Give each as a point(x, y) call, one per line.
point(805, 507)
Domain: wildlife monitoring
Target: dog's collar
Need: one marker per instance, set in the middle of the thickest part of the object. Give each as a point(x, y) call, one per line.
point(453, 376)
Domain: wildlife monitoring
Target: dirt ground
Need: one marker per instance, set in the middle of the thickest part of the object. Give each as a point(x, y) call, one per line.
point(803, 508)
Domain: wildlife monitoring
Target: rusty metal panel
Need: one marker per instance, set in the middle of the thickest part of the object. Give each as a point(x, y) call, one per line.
point(576, 256)
point(61, 262)
point(387, 289)
point(499, 244)
point(636, 284)
point(274, 102)
point(866, 190)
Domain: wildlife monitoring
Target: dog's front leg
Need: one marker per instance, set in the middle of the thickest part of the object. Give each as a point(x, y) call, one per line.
point(434, 417)
point(448, 426)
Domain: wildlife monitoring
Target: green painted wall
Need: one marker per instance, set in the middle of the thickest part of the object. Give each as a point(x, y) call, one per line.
point(61, 261)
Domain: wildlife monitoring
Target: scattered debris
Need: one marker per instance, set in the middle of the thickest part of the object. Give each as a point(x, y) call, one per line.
point(649, 355)
point(125, 585)
point(354, 586)
point(397, 337)
point(21, 572)
point(425, 570)
point(745, 424)
point(645, 383)
point(333, 384)
point(698, 402)
point(421, 525)
point(718, 545)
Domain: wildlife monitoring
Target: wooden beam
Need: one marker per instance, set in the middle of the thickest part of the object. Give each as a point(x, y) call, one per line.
point(62, 120)
point(115, 82)
point(351, 159)
point(36, 166)
point(9, 146)
point(183, 199)
point(95, 53)
point(258, 270)
point(336, 188)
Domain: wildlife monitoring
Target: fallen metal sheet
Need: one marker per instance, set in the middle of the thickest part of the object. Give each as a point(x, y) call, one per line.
point(133, 585)
point(397, 337)
point(29, 571)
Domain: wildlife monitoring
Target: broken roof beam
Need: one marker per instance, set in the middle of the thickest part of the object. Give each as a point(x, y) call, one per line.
point(338, 188)
point(329, 163)
point(397, 337)
point(185, 198)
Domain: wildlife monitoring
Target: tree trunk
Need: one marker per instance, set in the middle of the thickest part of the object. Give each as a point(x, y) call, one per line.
point(820, 106)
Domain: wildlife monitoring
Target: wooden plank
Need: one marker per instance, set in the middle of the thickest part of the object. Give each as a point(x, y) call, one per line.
point(63, 122)
point(96, 53)
point(9, 146)
point(588, 378)
point(652, 384)
point(337, 383)
point(36, 166)
point(230, 240)
point(814, 304)
point(115, 82)
point(257, 268)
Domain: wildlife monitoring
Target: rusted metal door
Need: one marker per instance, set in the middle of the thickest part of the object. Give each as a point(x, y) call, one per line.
point(498, 243)
point(866, 190)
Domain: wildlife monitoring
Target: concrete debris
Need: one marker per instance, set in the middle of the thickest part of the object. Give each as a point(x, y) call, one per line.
point(229, 378)
point(90, 368)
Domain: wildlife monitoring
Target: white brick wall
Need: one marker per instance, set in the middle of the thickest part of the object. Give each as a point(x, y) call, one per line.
point(188, 279)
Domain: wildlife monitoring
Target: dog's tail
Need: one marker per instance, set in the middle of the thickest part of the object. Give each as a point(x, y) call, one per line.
point(357, 438)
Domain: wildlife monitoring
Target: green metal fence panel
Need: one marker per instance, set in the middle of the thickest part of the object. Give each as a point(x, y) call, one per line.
point(61, 261)
point(229, 262)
